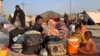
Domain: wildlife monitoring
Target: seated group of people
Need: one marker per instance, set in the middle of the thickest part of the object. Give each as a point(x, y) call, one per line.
point(86, 44)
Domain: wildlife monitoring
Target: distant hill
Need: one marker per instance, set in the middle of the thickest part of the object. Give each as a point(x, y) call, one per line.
point(72, 16)
point(52, 13)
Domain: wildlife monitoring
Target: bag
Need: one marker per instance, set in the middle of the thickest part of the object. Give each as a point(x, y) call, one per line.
point(28, 50)
point(56, 48)
point(16, 47)
point(33, 39)
point(32, 42)
point(50, 38)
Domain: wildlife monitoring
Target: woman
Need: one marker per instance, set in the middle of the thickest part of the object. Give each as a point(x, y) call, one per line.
point(20, 15)
point(50, 29)
point(13, 31)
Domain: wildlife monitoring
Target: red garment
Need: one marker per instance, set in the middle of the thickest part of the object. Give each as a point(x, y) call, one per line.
point(56, 19)
point(4, 48)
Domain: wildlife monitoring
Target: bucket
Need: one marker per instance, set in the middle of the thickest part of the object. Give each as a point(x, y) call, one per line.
point(3, 52)
point(43, 52)
point(72, 46)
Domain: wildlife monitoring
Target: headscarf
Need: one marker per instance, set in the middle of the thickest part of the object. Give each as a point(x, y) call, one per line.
point(50, 29)
point(17, 6)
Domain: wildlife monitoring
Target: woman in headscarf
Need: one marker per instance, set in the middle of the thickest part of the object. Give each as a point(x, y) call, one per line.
point(13, 31)
point(20, 15)
point(50, 29)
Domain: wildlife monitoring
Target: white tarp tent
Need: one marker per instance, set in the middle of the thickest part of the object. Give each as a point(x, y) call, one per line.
point(93, 15)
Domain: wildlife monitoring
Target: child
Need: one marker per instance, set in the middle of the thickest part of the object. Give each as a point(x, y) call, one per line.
point(90, 46)
point(83, 25)
point(79, 35)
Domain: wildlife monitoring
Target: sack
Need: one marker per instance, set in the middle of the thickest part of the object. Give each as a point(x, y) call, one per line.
point(50, 38)
point(33, 39)
point(28, 50)
point(16, 47)
point(32, 32)
point(56, 48)
point(32, 42)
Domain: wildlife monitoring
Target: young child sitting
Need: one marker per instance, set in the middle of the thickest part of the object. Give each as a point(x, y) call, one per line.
point(90, 46)
point(78, 34)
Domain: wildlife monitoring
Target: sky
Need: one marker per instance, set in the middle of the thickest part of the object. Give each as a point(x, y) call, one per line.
point(35, 7)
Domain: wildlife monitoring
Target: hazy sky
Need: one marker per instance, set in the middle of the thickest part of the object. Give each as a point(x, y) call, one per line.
point(34, 7)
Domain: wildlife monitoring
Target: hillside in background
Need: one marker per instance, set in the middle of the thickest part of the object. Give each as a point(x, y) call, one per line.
point(52, 13)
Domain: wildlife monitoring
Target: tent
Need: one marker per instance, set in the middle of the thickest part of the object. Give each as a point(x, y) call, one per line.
point(92, 17)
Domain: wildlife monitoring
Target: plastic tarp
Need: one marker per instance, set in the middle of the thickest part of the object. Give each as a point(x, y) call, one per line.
point(95, 16)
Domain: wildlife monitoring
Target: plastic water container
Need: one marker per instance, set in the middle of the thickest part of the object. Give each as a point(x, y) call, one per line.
point(43, 52)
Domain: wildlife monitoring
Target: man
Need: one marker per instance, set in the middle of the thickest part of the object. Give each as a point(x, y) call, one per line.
point(38, 24)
